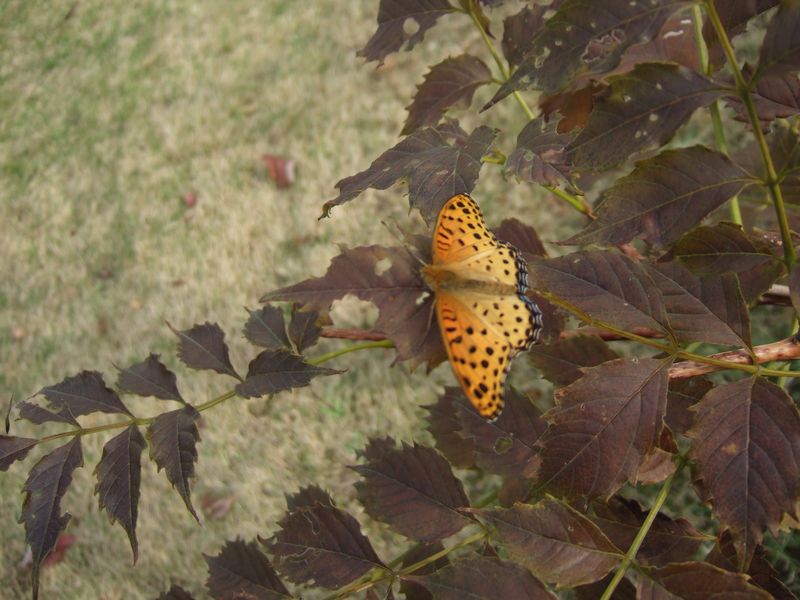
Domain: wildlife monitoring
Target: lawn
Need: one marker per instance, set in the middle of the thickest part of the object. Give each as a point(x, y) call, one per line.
point(112, 114)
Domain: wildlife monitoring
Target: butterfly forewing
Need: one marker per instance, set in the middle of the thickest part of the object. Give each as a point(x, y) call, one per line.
point(483, 312)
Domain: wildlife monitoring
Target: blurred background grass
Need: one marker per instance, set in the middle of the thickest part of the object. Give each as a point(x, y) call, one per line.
point(111, 113)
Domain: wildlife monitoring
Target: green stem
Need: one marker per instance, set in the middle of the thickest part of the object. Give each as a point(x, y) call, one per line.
point(642, 533)
point(573, 200)
point(716, 117)
point(772, 181)
point(670, 349)
point(210, 403)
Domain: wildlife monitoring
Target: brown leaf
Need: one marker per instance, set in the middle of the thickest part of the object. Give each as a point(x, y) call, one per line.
point(734, 15)
point(682, 394)
point(540, 154)
point(397, 291)
point(602, 427)
point(150, 378)
point(746, 439)
point(724, 247)
point(776, 96)
point(663, 197)
point(14, 448)
point(579, 41)
point(642, 108)
point(303, 329)
point(84, 394)
point(696, 580)
point(563, 362)
point(322, 544)
point(266, 328)
point(241, 572)
point(444, 424)
point(607, 286)
point(418, 553)
point(402, 22)
point(279, 169)
point(274, 371)
point(482, 578)
point(412, 489)
point(203, 347)
point(450, 82)
point(557, 543)
point(38, 414)
point(519, 32)
point(780, 50)
point(437, 162)
point(668, 540)
point(522, 236)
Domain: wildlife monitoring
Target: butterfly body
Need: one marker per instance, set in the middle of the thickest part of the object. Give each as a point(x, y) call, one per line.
point(482, 308)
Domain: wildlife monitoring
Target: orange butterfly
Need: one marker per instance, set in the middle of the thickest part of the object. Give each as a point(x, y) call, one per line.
point(483, 313)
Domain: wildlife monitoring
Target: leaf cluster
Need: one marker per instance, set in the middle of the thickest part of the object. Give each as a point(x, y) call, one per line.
point(665, 462)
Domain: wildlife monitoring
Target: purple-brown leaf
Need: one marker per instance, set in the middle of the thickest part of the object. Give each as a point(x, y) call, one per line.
point(119, 474)
point(710, 309)
point(412, 489)
point(668, 540)
point(682, 394)
point(14, 448)
point(482, 578)
point(450, 82)
point(664, 197)
point(266, 328)
point(176, 592)
point(746, 439)
point(696, 581)
point(602, 427)
point(83, 394)
point(444, 424)
point(203, 347)
point(522, 236)
point(780, 50)
point(643, 108)
point(519, 32)
point(274, 371)
point(563, 362)
point(607, 286)
point(173, 438)
point(150, 378)
point(539, 156)
point(396, 291)
point(39, 414)
point(41, 510)
point(242, 572)
point(394, 30)
point(724, 247)
point(418, 553)
point(557, 543)
point(437, 162)
point(580, 40)
point(322, 544)
point(734, 15)
point(303, 329)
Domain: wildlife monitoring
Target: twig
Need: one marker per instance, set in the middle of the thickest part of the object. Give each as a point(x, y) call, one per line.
point(788, 349)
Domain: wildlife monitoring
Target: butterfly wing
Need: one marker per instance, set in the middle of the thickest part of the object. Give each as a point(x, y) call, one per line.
point(482, 334)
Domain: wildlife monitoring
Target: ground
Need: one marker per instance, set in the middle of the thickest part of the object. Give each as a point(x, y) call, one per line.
point(112, 115)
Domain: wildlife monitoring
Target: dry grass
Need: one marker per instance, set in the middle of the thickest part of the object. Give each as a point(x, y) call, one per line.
point(109, 113)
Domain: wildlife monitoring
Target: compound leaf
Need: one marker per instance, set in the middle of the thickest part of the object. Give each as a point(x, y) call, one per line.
point(482, 578)
point(119, 474)
point(84, 394)
point(696, 580)
point(664, 197)
point(203, 347)
point(746, 439)
point(412, 489)
point(150, 378)
point(173, 438)
point(450, 82)
point(274, 371)
point(242, 571)
point(602, 427)
point(322, 544)
point(41, 510)
point(557, 543)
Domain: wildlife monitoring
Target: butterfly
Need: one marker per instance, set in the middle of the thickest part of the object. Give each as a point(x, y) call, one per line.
point(483, 313)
